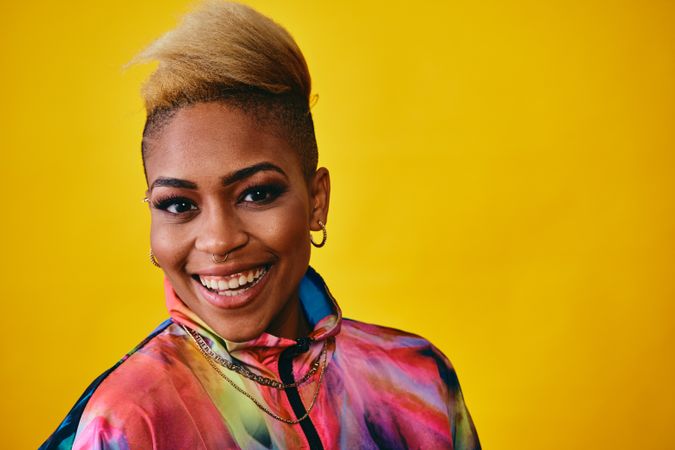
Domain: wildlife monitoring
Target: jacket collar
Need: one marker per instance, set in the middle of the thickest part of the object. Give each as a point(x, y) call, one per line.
point(319, 306)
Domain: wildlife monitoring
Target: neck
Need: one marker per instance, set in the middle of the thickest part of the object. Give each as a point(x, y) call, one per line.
point(291, 322)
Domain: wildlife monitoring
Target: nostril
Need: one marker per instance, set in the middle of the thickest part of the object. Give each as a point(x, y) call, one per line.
point(221, 243)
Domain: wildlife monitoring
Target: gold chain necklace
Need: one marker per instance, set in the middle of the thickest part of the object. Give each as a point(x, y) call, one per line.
point(257, 402)
point(242, 370)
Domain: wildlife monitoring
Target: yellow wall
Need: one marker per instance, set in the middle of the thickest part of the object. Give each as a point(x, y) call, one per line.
point(503, 177)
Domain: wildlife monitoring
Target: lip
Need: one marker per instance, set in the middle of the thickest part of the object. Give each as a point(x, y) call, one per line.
point(235, 301)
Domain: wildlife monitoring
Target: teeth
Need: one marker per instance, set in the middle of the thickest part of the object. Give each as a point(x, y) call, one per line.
point(227, 293)
point(225, 285)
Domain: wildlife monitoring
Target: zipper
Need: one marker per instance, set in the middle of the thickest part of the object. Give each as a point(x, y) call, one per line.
point(292, 393)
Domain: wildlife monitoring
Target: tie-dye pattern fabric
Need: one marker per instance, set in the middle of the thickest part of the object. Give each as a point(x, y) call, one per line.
point(382, 388)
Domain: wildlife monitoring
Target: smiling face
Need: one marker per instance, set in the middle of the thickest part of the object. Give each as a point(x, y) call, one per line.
point(222, 183)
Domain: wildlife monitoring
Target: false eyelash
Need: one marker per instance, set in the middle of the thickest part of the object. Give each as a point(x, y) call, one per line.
point(164, 203)
point(274, 189)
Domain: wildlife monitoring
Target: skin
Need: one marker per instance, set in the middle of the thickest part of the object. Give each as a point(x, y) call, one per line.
point(203, 144)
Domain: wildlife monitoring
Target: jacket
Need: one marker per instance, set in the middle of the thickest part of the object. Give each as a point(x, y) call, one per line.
point(373, 387)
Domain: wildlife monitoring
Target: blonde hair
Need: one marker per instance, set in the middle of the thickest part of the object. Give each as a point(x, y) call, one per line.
point(224, 51)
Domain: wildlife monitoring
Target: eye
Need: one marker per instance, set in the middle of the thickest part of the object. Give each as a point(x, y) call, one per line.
point(175, 205)
point(180, 207)
point(261, 194)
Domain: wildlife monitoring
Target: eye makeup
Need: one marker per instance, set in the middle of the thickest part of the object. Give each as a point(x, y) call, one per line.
point(262, 193)
point(178, 203)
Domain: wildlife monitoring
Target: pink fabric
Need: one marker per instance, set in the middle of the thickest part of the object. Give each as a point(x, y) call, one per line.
point(382, 388)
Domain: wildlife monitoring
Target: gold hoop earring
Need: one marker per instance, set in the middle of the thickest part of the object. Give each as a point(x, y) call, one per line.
point(325, 236)
point(153, 260)
point(217, 260)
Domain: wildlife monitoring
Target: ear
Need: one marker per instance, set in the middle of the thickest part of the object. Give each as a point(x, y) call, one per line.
point(319, 198)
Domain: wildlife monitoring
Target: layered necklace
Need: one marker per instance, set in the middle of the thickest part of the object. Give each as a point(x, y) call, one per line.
point(215, 360)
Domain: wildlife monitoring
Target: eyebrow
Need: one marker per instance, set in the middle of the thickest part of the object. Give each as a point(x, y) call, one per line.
point(173, 182)
point(229, 179)
point(246, 172)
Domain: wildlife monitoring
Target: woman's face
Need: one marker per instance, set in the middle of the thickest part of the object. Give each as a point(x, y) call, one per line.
point(222, 183)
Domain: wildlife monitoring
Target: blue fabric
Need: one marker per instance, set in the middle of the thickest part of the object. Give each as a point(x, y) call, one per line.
point(313, 298)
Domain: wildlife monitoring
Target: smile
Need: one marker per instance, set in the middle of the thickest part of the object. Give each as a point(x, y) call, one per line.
point(234, 284)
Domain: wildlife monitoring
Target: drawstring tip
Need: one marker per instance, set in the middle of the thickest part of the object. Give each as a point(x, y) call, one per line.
point(302, 344)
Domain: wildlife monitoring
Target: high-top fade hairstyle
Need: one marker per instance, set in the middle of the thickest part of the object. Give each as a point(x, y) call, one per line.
point(227, 52)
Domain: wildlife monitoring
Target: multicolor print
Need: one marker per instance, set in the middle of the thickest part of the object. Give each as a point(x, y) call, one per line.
point(382, 388)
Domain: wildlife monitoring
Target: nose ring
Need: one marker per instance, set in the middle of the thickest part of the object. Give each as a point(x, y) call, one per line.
point(218, 260)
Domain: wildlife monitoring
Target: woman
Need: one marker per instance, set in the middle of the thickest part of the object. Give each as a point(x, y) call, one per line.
point(256, 353)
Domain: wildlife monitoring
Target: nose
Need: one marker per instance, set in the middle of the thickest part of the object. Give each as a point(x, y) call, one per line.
point(221, 232)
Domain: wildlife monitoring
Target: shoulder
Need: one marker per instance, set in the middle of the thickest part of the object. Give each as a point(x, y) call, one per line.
point(379, 334)
point(153, 399)
point(150, 367)
point(385, 339)
point(411, 381)
point(123, 401)
point(384, 345)
point(148, 383)
point(140, 393)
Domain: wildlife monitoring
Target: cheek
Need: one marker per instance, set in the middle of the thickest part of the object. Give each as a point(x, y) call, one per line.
point(285, 230)
point(170, 243)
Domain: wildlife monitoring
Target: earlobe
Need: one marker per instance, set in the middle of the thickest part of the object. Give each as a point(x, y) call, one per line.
point(320, 198)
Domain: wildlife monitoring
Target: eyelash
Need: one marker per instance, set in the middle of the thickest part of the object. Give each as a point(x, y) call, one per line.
point(273, 191)
point(165, 203)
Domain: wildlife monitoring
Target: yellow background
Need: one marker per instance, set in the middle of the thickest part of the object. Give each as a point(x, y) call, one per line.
point(503, 180)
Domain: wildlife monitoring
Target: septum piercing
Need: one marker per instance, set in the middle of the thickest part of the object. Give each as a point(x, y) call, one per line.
point(218, 260)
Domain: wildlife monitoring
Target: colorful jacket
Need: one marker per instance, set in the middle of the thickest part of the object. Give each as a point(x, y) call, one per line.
point(381, 388)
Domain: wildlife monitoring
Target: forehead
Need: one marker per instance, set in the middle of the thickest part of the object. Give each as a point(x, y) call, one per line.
point(211, 139)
